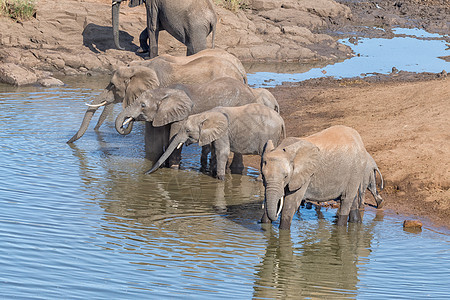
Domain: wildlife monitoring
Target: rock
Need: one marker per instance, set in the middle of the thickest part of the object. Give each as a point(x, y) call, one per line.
point(264, 4)
point(412, 224)
point(15, 75)
point(50, 81)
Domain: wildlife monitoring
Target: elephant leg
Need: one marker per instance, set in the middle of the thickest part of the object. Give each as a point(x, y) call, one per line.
point(156, 138)
point(237, 165)
point(153, 43)
point(291, 204)
point(222, 150)
point(265, 218)
point(196, 42)
point(175, 159)
point(143, 41)
point(204, 158)
point(355, 214)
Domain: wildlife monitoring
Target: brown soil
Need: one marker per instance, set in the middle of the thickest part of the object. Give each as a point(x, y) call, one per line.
point(404, 122)
point(403, 118)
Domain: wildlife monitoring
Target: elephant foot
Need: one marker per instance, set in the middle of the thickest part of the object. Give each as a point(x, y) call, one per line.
point(354, 216)
point(380, 202)
point(265, 218)
point(342, 220)
point(220, 177)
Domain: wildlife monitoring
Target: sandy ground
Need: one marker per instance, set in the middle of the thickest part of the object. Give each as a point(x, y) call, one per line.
point(403, 119)
point(405, 126)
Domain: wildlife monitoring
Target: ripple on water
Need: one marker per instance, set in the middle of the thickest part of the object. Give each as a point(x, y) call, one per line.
point(83, 221)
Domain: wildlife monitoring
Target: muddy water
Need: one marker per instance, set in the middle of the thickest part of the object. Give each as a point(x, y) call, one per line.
point(83, 221)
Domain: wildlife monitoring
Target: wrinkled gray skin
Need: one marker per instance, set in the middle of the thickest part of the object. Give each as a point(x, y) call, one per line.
point(163, 106)
point(244, 129)
point(331, 164)
point(189, 21)
point(127, 83)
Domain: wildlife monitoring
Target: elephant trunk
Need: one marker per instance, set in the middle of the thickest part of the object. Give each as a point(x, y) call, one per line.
point(176, 143)
point(274, 201)
point(125, 120)
point(115, 22)
point(103, 99)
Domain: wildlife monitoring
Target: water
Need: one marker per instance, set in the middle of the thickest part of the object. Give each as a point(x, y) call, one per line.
point(84, 222)
point(412, 50)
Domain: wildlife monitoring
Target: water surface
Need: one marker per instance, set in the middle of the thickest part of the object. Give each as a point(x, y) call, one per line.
point(84, 222)
point(412, 50)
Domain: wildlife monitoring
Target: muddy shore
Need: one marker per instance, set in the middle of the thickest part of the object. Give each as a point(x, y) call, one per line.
point(403, 118)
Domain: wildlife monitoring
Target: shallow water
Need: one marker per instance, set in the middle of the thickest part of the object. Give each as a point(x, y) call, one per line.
point(412, 50)
point(83, 221)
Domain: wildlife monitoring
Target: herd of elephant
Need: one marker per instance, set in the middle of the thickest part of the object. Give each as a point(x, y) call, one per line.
point(204, 98)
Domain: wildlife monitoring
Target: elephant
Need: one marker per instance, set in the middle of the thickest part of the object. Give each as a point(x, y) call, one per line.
point(208, 52)
point(267, 98)
point(127, 83)
point(331, 164)
point(243, 129)
point(189, 21)
point(163, 106)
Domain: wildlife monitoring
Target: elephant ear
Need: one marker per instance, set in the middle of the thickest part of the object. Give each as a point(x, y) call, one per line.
point(141, 79)
point(174, 106)
point(305, 162)
point(212, 127)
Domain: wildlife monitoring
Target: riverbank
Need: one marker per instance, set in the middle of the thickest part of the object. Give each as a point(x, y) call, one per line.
point(403, 118)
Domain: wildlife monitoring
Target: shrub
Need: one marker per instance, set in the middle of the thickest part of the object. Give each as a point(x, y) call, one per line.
point(20, 10)
point(233, 5)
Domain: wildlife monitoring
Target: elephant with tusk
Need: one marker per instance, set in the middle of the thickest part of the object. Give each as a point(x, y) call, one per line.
point(164, 106)
point(244, 130)
point(331, 164)
point(127, 83)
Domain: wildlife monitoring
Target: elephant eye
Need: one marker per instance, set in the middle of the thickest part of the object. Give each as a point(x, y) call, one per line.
point(143, 104)
point(188, 130)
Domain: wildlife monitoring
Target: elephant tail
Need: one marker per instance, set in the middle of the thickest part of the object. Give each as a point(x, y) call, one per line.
point(381, 177)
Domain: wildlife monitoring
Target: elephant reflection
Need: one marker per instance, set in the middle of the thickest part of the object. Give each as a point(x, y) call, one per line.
point(325, 262)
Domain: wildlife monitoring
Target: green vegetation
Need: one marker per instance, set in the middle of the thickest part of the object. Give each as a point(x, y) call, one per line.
point(233, 5)
point(19, 10)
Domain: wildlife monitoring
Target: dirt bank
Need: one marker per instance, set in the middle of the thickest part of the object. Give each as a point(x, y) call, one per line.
point(402, 118)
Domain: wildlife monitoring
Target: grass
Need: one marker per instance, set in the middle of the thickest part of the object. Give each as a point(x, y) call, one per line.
point(233, 5)
point(19, 10)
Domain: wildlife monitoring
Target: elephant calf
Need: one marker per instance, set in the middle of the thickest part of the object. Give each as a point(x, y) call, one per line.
point(331, 164)
point(244, 129)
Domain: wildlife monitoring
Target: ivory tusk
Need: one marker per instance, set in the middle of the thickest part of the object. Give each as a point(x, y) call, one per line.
point(127, 121)
point(179, 145)
point(281, 206)
point(96, 105)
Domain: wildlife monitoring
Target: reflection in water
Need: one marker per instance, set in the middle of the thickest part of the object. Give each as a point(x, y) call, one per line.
point(83, 221)
point(325, 261)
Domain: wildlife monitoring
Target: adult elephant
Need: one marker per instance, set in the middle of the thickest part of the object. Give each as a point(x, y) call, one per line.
point(331, 164)
point(127, 83)
point(163, 106)
point(189, 21)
